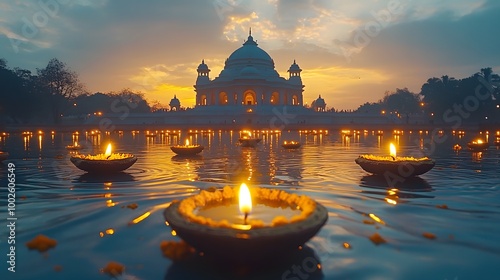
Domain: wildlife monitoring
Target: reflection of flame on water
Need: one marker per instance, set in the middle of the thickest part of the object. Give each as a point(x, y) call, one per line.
point(376, 219)
point(141, 218)
point(477, 156)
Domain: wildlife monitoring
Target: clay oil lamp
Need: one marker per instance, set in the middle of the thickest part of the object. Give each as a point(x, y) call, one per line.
point(3, 156)
point(478, 145)
point(187, 149)
point(246, 140)
point(104, 163)
point(399, 166)
point(457, 147)
point(290, 145)
point(242, 225)
point(74, 147)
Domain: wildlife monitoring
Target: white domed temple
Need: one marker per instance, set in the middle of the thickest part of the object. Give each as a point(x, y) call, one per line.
point(248, 92)
point(249, 80)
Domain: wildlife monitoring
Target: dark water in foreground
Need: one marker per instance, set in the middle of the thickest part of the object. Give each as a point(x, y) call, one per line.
point(88, 216)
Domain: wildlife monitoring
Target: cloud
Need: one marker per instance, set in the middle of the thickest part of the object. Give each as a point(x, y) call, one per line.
point(156, 45)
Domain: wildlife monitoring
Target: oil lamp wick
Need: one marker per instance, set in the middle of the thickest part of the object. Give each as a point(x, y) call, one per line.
point(108, 157)
point(245, 219)
point(393, 158)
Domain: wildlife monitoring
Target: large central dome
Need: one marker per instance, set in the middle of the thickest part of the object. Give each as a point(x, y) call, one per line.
point(249, 61)
point(249, 54)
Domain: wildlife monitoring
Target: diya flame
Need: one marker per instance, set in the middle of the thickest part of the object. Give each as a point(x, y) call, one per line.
point(108, 151)
point(245, 200)
point(392, 151)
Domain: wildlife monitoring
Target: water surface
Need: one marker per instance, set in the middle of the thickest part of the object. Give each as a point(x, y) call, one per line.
point(89, 217)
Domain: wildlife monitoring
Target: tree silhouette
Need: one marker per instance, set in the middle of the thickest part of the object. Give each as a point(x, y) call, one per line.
point(402, 101)
point(59, 84)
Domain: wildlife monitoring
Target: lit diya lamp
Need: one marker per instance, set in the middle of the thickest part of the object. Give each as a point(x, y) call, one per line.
point(104, 163)
point(241, 225)
point(478, 145)
point(290, 145)
point(400, 166)
point(3, 156)
point(74, 147)
point(246, 140)
point(187, 150)
point(457, 147)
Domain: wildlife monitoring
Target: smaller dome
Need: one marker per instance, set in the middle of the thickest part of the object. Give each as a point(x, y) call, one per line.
point(320, 101)
point(174, 102)
point(249, 71)
point(294, 67)
point(203, 66)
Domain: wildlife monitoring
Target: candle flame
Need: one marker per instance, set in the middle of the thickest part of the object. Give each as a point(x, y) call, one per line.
point(392, 150)
point(187, 142)
point(245, 199)
point(108, 150)
point(76, 144)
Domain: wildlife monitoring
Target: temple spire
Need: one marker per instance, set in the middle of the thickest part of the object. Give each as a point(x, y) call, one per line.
point(250, 40)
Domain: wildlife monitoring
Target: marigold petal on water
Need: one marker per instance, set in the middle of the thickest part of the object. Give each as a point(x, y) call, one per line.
point(41, 243)
point(114, 269)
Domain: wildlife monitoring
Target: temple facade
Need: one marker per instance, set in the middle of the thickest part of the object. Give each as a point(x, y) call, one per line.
point(248, 80)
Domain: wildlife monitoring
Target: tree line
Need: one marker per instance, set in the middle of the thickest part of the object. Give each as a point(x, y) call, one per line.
point(54, 92)
point(472, 99)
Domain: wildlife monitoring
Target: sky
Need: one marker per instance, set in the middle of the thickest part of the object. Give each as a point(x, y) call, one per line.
point(351, 52)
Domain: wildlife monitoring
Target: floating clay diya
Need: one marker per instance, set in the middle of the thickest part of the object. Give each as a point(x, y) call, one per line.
point(400, 166)
point(290, 145)
point(227, 228)
point(247, 140)
point(104, 163)
point(478, 145)
point(187, 150)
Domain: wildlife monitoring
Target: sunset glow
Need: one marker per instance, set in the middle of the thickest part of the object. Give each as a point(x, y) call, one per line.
point(320, 37)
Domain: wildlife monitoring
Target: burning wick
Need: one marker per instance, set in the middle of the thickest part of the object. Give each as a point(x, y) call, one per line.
point(392, 151)
point(108, 151)
point(245, 201)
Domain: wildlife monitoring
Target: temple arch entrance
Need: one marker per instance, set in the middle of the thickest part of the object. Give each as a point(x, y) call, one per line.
point(203, 100)
point(223, 100)
point(249, 98)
